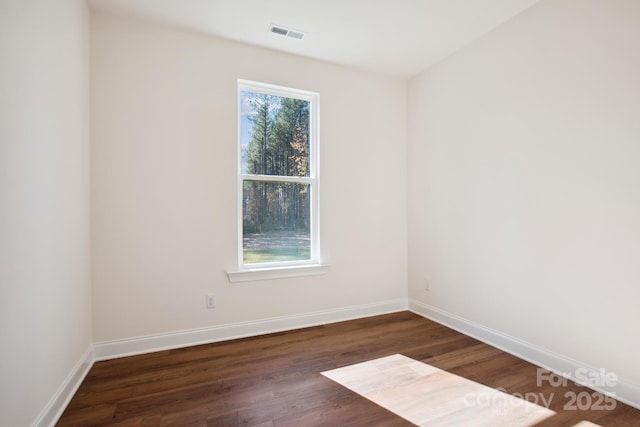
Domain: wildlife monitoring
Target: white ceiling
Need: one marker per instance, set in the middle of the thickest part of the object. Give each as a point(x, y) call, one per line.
point(395, 37)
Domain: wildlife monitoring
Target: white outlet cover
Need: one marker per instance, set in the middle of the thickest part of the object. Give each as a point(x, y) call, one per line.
point(211, 301)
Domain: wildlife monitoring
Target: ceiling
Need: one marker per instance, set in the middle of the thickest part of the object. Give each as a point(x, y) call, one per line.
point(395, 37)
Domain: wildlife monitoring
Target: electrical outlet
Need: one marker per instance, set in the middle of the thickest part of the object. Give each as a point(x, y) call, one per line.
point(427, 285)
point(211, 301)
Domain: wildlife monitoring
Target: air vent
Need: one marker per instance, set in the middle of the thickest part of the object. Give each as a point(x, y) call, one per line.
point(287, 32)
point(295, 35)
point(278, 30)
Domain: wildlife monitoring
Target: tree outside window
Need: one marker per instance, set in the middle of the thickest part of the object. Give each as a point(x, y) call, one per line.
point(278, 176)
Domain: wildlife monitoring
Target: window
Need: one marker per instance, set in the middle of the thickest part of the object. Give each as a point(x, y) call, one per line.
point(277, 178)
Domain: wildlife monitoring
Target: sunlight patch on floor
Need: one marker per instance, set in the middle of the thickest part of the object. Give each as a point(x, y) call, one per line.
point(426, 395)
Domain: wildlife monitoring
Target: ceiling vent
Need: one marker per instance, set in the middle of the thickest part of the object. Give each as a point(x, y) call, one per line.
point(286, 32)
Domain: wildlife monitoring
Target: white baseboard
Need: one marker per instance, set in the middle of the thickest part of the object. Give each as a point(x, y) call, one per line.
point(150, 343)
point(625, 391)
point(61, 398)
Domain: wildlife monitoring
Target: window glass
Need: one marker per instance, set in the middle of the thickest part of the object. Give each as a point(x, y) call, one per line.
point(278, 176)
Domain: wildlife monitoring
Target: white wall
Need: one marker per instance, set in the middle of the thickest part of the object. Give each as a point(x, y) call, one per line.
point(164, 186)
point(45, 299)
point(524, 181)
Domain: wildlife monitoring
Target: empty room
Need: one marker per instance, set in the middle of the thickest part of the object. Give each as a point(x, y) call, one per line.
point(320, 213)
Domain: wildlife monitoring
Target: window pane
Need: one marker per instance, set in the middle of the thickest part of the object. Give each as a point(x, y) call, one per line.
point(274, 135)
point(275, 222)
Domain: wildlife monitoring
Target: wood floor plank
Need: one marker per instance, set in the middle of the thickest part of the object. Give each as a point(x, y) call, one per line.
point(275, 380)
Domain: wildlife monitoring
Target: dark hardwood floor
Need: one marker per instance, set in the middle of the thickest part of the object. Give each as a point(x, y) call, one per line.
point(275, 380)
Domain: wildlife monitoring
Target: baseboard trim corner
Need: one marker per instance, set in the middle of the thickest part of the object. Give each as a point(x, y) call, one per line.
point(624, 391)
point(150, 343)
point(61, 398)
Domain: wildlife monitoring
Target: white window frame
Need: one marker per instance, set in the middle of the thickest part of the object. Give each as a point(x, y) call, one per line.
point(272, 270)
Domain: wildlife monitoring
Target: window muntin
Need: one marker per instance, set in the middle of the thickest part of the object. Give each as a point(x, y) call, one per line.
point(277, 180)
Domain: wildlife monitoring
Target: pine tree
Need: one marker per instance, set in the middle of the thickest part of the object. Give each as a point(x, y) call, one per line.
point(291, 131)
point(279, 145)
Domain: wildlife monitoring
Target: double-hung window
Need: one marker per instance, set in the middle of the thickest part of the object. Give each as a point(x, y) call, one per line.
point(278, 206)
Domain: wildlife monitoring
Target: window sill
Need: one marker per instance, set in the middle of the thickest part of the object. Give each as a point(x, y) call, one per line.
point(276, 272)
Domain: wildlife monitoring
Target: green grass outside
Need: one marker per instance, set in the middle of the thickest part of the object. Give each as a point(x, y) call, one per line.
point(275, 255)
